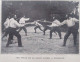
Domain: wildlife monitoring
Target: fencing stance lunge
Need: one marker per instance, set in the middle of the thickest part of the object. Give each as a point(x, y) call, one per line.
point(53, 28)
point(37, 25)
point(71, 29)
point(22, 22)
point(13, 24)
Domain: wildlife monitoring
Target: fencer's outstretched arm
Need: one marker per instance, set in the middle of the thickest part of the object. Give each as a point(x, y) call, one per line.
point(29, 23)
point(18, 25)
point(47, 21)
point(64, 22)
point(26, 19)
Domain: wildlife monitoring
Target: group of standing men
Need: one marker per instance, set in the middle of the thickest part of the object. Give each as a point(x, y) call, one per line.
point(11, 28)
point(55, 27)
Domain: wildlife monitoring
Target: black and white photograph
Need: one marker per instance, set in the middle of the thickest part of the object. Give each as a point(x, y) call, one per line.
point(40, 27)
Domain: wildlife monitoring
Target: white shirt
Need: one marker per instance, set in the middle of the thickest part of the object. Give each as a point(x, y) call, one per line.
point(55, 23)
point(22, 20)
point(70, 22)
point(6, 23)
point(14, 24)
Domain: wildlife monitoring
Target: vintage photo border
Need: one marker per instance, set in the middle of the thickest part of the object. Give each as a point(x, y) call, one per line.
point(38, 57)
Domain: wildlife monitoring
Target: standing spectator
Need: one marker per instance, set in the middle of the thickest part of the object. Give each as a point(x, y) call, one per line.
point(6, 26)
